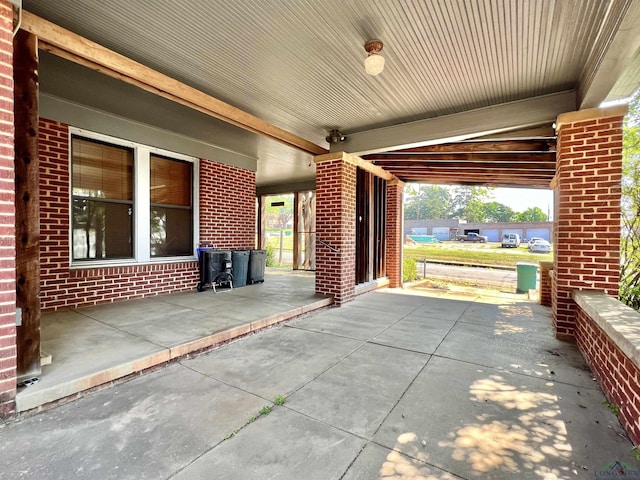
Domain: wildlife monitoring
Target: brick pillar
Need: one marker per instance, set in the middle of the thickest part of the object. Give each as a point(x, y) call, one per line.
point(335, 227)
point(587, 223)
point(394, 233)
point(546, 267)
point(7, 218)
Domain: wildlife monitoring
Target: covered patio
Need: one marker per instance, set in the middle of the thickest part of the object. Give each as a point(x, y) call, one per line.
point(135, 131)
point(95, 346)
point(399, 384)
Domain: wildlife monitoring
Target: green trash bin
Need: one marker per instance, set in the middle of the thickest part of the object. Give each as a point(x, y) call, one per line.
point(527, 276)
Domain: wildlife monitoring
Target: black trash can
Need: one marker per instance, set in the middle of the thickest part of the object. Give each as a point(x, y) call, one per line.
point(205, 264)
point(240, 267)
point(222, 268)
point(257, 264)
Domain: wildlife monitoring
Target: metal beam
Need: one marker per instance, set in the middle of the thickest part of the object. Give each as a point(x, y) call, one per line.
point(470, 146)
point(461, 126)
point(611, 55)
point(544, 132)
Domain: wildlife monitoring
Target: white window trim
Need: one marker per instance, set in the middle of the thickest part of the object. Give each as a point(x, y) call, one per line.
point(141, 202)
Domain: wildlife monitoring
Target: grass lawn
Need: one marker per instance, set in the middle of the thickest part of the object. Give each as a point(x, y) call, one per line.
point(476, 253)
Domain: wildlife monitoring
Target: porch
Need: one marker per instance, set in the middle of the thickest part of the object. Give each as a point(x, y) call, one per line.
point(413, 383)
point(97, 345)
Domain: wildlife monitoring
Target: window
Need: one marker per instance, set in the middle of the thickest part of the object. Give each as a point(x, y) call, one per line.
point(124, 193)
point(102, 200)
point(171, 213)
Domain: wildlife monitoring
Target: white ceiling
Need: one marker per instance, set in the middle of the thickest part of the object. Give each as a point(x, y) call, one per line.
point(298, 64)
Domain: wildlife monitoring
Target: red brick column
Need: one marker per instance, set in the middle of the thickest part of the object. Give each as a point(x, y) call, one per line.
point(394, 233)
point(7, 216)
point(335, 228)
point(545, 283)
point(587, 224)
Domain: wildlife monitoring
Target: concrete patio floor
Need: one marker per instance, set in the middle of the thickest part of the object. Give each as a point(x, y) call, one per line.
point(398, 384)
point(92, 346)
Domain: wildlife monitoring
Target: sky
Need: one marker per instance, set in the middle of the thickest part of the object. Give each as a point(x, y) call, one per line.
point(519, 199)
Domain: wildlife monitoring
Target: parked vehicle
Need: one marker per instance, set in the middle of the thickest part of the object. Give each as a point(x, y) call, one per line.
point(423, 238)
point(533, 240)
point(472, 237)
point(540, 246)
point(510, 240)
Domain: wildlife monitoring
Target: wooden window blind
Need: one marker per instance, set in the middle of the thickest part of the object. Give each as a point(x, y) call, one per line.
point(101, 170)
point(102, 208)
point(171, 188)
point(170, 182)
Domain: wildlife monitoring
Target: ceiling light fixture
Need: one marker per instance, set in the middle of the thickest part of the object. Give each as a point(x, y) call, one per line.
point(335, 136)
point(374, 63)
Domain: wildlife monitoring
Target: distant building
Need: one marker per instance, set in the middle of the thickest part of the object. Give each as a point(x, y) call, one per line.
point(447, 229)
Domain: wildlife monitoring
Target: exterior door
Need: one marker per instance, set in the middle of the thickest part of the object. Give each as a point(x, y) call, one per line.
point(371, 201)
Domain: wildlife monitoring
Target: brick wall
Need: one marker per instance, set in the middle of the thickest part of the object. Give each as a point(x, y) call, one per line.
point(587, 224)
point(618, 376)
point(227, 219)
point(227, 206)
point(7, 218)
point(335, 225)
point(53, 145)
point(393, 232)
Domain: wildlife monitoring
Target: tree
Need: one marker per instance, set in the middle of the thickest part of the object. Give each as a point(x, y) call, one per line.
point(467, 203)
point(474, 211)
point(532, 214)
point(498, 212)
point(427, 201)
point(413, 203)
point(473, 204)
point(630, 238)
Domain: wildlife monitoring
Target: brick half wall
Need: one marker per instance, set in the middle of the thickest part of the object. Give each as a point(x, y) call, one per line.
point(546, 271)
point(608, 335)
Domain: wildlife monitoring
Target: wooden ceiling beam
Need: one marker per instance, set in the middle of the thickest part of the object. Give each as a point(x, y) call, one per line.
point(472, 178)
point(72, 46)
point(469, 157)
point(468, 166)
point(480, 181)
point(377, 170)
point(507, 146)
point(463, 163)
point(411, 172)
point(402, 173)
